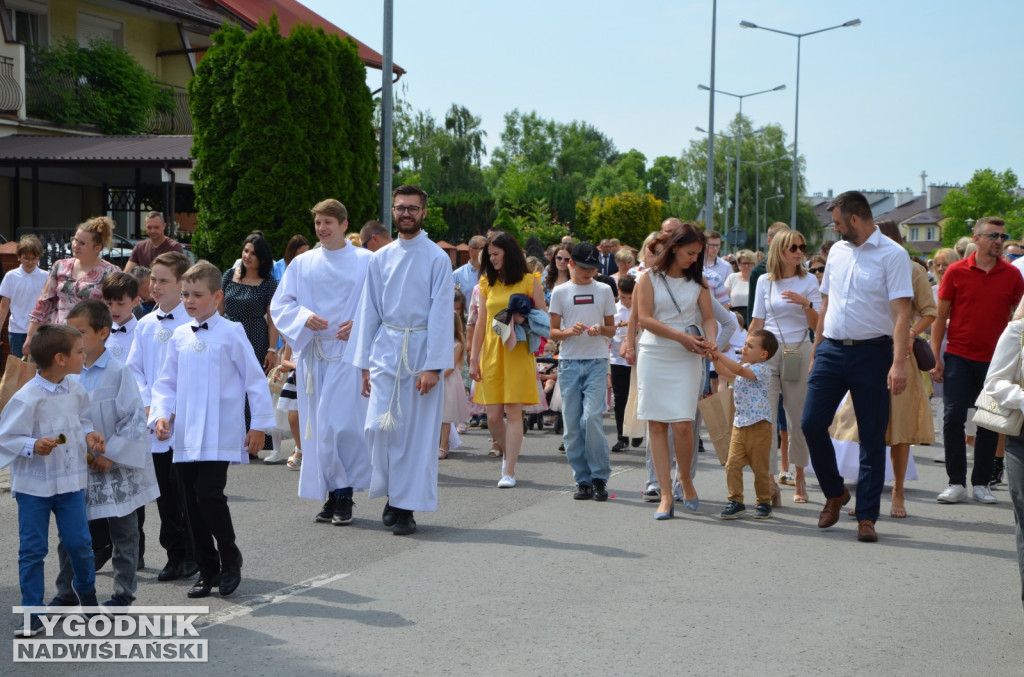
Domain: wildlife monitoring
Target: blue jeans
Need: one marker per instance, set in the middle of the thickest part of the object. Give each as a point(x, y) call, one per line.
point(17, 343)
point(862, 370)
point(34, 531)
point(584, 384)
point(964, 380)
point(1015, 482)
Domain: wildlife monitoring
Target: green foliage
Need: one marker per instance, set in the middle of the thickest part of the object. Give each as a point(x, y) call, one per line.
point(466, 214)
point(988, 193)
point(435, 225)
point(280, 124)
point(630, 217)
point(100, 85)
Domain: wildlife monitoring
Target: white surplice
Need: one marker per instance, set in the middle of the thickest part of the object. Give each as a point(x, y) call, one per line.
point(204, 382)
point(148, 353)
point(119, 343)
point(405, 326)
point(332, 411)
point(115, 410)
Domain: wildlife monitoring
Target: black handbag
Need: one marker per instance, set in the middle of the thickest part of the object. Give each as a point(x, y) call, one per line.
point(923, 354)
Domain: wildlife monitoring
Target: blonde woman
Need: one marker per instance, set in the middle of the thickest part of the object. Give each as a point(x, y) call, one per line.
point(786, 303)
point(738, 284)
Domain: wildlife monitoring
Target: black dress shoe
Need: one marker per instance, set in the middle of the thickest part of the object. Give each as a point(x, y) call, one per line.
point(203, 586)
point(600, 490)
point(636, 441)
point(404, 524)
point(620, 445)
point(171, 572)
point(102, 556)
point(189, 568)
point(230, 578)
point(390, 515)
point(141, 565)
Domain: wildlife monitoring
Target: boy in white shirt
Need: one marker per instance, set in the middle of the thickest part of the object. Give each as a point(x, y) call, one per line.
point(146, 359)
point(19, 290)
point(620, 368)
point(44, 432)
point(583, 319)
point(121, 294)
point(210, 368)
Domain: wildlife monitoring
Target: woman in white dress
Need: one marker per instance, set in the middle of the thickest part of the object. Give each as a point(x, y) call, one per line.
point(673, 307)
point(786, 303)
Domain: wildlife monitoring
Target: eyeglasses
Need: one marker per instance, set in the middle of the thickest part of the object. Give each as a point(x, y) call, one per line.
point(1012, 257)
point(746, 263)
point(717, 245)
point(797, 247)
point(366, 244)
point(562, 258)
point(816, 271)
point(1002, 237)
point(402, 209)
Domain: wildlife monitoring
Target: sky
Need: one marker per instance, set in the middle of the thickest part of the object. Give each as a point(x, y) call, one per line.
point(929, 86)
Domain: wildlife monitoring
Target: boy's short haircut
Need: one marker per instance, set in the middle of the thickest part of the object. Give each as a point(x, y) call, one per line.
point(331, 207)
point(627, 283)
point(95, 312)
point(176, 262)
point(768, 341)
point(140, 273)
point(206, 273)
point(51, 340)
point(30, 245)
point(118, 285)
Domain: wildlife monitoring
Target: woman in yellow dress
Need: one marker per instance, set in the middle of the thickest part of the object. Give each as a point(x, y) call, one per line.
point(506, 379)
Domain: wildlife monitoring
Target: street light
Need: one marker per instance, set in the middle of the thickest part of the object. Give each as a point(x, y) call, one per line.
point(709, 193)
point(766, 201)
point(757, 192)
point(796, 116)
point(739, 149)
point(739, 141)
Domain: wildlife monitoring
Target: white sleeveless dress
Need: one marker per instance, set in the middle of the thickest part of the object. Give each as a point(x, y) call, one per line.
point(669, 377)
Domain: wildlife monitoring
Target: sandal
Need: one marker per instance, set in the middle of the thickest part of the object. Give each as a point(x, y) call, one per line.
point(295, 461)
point(800, 495)
point(899, 510)
point(495, 451)
point(442, 454)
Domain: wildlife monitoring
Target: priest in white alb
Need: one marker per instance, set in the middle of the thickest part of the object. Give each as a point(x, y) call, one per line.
point(403, 340)
point(313, 309)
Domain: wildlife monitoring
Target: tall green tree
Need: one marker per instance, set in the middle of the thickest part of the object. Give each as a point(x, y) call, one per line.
point(988, 193)
point(280, 124)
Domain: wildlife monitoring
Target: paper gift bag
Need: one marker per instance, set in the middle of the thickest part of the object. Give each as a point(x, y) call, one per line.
point(16, 374)
point(718, 412)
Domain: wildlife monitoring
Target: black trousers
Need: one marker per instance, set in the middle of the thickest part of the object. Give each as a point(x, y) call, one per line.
point(620, 392)
point(175, 534)
point(207, 510)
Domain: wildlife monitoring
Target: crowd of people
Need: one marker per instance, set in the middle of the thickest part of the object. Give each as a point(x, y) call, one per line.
point(151, 382)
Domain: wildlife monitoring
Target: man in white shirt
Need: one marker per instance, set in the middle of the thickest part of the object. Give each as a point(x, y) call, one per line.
point(467, 275)
point(713, 245)
point(866, 296)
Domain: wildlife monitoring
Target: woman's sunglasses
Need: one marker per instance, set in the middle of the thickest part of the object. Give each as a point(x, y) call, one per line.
point(562, 258)
point(797, 247)
point(817, 271)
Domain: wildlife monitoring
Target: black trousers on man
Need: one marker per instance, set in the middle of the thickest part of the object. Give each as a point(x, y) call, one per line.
point(206, 507)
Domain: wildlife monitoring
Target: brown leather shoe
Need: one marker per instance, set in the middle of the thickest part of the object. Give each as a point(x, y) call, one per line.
point(866, 532)
point(830, 513)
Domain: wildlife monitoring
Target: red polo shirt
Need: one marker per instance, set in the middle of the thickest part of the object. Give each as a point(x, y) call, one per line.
point(980, 306)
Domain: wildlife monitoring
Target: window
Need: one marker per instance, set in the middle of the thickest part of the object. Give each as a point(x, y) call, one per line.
point(930, 234)
point(92, 27)
point(29, 22)
point(914, 234)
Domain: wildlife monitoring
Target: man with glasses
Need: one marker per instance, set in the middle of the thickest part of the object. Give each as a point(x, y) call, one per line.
point(467, 275)
point(1012, 251)
point(712, 262)
point(402, 340)
point(977, 297)
point(374, 235)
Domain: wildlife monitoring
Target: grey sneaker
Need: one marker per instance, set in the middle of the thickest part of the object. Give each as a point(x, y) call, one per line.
point(982, 494)
point(954, 493)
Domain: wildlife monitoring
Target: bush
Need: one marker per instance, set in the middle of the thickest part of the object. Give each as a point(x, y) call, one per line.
point(630, 217)
point(98, 85)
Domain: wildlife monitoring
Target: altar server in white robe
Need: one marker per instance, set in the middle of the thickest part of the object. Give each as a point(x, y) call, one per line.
point(403, 342)
point(210, 369)
point(313, 309)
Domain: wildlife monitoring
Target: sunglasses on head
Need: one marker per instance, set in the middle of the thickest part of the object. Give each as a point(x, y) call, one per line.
point(798, 247)
point(817, 270)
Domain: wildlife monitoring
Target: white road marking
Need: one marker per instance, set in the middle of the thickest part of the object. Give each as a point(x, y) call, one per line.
point(281, 595)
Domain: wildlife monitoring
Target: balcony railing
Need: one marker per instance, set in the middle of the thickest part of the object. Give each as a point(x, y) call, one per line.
point(10, 89)
point(178, 121)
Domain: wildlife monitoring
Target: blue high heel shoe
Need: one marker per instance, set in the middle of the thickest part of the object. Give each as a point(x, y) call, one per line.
point(665, 515)
point(692, 505)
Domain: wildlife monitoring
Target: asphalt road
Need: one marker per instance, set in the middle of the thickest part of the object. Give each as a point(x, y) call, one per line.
point(527, 581)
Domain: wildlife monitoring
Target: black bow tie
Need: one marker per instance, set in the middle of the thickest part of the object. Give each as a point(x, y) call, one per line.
point(196, 328)
point(168, 316)
point(123, 330)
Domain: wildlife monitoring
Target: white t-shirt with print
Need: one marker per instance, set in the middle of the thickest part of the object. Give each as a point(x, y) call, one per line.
point(586, 303)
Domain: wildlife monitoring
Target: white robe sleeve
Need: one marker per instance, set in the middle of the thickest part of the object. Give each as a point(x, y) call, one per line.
point(162, 404)
point(128, 443)
point(137, 366)
point(440, 335)
point(256, 388)
point(368, 317)
point(288, 314)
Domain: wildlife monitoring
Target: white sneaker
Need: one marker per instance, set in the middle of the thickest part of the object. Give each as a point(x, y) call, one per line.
point(506, 482)
point(277, 457)
point(983, 494)
point(954, 493)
